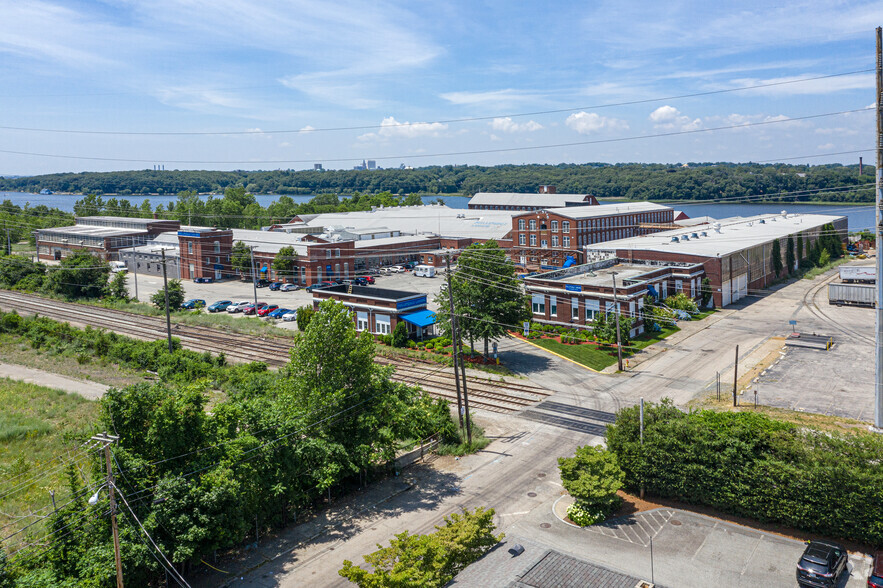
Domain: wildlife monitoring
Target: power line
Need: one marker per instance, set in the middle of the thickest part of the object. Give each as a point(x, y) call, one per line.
point(450, 153)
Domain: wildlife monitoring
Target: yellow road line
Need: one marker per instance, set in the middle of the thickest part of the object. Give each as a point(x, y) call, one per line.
point(558, 355)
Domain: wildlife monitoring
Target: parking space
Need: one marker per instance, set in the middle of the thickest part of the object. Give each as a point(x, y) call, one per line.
point(236, 290)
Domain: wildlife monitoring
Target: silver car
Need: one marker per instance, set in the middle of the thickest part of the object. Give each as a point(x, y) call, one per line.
point(239, 306)
point(290, 316)
point(289, 287)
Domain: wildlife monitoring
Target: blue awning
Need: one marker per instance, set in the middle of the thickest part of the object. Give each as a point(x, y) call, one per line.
point(264, 269)
point(422, 318)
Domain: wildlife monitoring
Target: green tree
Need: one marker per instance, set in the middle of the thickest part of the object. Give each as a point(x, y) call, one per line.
point(592, 477)
point(604, 328)
point(776, 258)
point(431, 560)
point(789, 254)
point(117, 287)
point(81, 275)
point(488, 298)
point(400, 335)
point(284, 262)
point(240, 259)
point(706, 292)
point(176, 296)
point(15, 268)
point(304, 316)
point(824, 258)
point(799, 247)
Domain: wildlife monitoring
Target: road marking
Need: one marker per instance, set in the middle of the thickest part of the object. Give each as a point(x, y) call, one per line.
point(748, 559)
point(513, 514)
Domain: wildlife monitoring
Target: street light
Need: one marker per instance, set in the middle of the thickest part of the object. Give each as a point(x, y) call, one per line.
point(616, 313)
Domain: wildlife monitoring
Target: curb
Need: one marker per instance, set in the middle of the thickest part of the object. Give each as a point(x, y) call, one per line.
point(558, 355)
point(556, 514)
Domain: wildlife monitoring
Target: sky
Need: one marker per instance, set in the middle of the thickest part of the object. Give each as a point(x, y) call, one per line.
point(249, 84)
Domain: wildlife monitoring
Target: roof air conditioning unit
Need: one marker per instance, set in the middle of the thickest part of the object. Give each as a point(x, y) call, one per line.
point(685, 238)
point(704, 234)
point(674, 239)
point(761, 222)
point(694, 235)
point(716, 227)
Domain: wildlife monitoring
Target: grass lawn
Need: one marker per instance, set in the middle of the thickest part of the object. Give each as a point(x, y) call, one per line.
point(597, 357)
point(37, 425)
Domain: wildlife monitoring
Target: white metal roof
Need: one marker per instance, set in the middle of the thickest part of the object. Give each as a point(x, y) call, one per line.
point(736, 234)
point(517, 199)
point(434, 219)
point(583, 212)
point(269, 241)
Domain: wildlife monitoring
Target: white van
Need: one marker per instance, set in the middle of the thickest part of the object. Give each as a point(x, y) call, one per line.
point(118, 266)
point(424, 271)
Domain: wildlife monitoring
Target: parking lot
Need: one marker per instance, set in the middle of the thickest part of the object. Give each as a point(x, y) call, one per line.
point(237, 290)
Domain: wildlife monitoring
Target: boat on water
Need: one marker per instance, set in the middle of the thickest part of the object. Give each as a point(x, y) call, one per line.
point(45, 192)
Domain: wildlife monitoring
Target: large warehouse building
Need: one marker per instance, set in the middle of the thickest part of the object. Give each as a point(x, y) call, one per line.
point(736, 252)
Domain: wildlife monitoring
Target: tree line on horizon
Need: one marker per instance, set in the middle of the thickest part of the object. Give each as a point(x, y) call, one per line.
point(634, 181)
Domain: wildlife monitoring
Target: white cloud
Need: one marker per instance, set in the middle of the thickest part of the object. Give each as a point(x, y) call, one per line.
point(793, 86)
point(494, 97)
point(670, 118)
point(586, 123)
point(825, 146)
point(307, 129)
point(391, 128)
point(507, 125)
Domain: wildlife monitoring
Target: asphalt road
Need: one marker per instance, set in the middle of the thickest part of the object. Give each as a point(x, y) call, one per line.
point(517, 474)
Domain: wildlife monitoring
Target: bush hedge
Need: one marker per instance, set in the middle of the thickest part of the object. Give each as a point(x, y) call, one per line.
point(750, 465)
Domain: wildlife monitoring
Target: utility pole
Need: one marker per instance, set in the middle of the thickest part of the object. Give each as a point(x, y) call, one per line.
point(878, 388)
point(736, 377)
point(465, 396)
point(107, 441)
point(254, 281)
point(8, 243)
point(165, 282)
point(616, 312)
point(454, 339)
point(135, 267)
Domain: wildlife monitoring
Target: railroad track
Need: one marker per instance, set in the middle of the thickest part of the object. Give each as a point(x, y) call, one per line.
point(810, 304)
point(485, 393)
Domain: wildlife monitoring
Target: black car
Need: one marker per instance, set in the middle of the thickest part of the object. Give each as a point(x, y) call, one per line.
point(821, 565)
point(275, 285)
point(203, 280)
point(262, 283)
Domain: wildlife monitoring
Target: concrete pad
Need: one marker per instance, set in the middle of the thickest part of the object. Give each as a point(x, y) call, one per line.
point(90, 390)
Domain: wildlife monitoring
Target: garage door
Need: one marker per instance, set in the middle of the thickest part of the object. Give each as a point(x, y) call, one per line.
point(726, 293)
point(741, 287)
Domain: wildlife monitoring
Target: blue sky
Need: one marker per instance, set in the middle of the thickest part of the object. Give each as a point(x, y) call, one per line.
point(246, 70)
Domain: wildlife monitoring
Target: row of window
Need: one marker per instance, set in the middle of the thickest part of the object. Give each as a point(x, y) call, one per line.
point(565, 225)
point(381, 323)
point(592, 308)
point(604, 222)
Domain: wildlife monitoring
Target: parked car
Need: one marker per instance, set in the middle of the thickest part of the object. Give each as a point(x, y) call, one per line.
point(267, 309)
point(384, 270)
point(410, 265)
point(290, 316)
point(821, 564)
point(313, 286)
point(875, 578)
point(193, 304)
point(327, 284)
point(261, 283)
point(203, 280)
point(238, 306)
point(275, 286)
point(252, 308)
point(397, 269)
point(279, 312)
point(368, 279)
point(219, 306)
point(289, 287)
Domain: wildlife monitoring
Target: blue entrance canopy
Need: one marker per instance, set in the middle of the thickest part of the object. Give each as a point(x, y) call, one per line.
point(422, 318)
point(264, 269)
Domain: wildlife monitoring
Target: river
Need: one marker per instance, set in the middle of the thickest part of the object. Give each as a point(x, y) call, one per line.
point(861, 216)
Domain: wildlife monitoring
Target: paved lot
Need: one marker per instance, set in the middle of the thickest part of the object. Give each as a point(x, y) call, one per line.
point(90, 390)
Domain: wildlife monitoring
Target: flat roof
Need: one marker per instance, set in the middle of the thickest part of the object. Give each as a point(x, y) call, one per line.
point(519, 199)
point(269, 241)
point(371, 292)
point(135, 220)
point(736, 234)
point(582, 212)
point(369, 243)
point(92, 231)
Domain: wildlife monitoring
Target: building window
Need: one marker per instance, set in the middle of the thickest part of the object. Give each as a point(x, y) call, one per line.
point(538, 304)
point(554, 240)
point(521, 239)
point(574, 308)
point(544, 244)
point(593, 307)
point(189, 246)
point(381, 322)
point(553, 306)
point(565, 226)
point(192, 271)
point(361, 321)
point(566, 241)
point(533, 225)
point(533, 240)
point(555, 225)
point(521, 224)
point(217, 246)
point(337, 253)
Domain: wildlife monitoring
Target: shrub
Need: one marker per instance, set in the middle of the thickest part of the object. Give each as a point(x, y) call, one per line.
point(400, 335)
point(750, 465)
point(584, 517)
point(592, 477)
point(681, 301)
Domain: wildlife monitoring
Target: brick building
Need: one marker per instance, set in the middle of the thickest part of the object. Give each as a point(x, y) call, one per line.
point(552, 238)
point(205, 252)
point(736, 253)
point(548, 198)
point(576, 295)
point(103, 236)
point(379, 310)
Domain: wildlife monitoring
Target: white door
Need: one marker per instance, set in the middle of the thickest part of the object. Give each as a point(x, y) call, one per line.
point(741, 287)
point(726, 293)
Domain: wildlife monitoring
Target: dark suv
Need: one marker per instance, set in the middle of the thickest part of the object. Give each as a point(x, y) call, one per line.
point(875, 579)
point(821, 564)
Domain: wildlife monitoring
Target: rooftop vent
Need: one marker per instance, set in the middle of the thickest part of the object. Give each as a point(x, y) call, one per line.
point(716, 227)
point(704, 234)
point(784, 214)
point(694, 235)
point(685, 238)
point(761, 222)
point(674, 239)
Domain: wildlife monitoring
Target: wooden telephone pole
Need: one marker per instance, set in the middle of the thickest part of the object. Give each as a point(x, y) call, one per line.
point(107, 441)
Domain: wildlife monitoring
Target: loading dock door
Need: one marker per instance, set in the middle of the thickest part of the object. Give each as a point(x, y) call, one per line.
point(741, 287)
point(726, 297)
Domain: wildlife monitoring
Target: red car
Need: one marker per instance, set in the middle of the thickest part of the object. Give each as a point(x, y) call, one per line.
point(368, 279)
point(875, 579)
point(250, 309)
point(267, 309)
